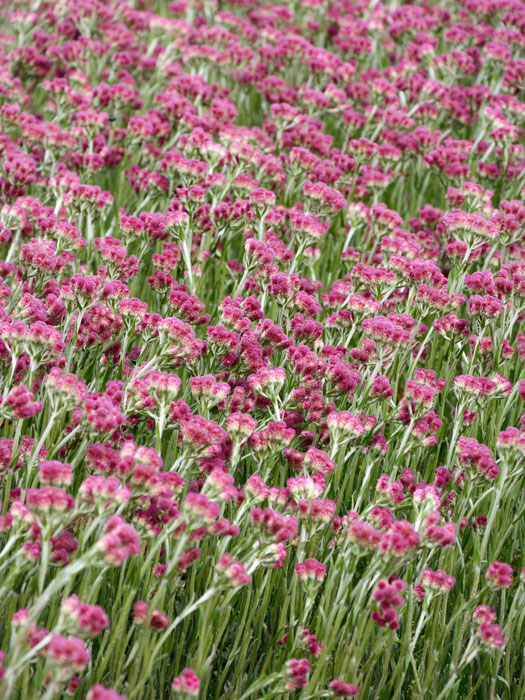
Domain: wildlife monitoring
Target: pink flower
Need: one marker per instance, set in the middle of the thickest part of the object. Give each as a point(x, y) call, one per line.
point(70, 653)
point(296, 674)
point(438, 580)
point(491, 635)
point(311, 642)
point(310, 569)
point(234, 570)
point(89, 619)
point(119, 542)
point(21, 404)
point(277, 527)
point(345, 424)
point(99, 692)
point(55, 473)
point(389, 598)
point(102, 414)
point(187, 683)
point(49, 499)
point(499, 575)
point(484, 613)
point(241, 424)
point(343, 690)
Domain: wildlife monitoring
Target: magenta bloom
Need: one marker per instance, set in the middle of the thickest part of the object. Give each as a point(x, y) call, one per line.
point(187, 683)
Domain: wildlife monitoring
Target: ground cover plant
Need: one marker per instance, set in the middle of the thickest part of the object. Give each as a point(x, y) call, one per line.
point(262, 292)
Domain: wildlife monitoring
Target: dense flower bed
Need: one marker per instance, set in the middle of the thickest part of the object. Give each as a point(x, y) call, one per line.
point(262, 291)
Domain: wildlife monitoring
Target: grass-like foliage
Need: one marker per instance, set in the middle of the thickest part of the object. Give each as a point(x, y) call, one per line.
point(262, 292)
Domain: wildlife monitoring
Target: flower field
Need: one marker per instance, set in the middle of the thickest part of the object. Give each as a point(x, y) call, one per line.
point(262, 344)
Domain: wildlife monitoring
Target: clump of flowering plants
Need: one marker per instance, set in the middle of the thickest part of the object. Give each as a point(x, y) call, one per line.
point(262, 287)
